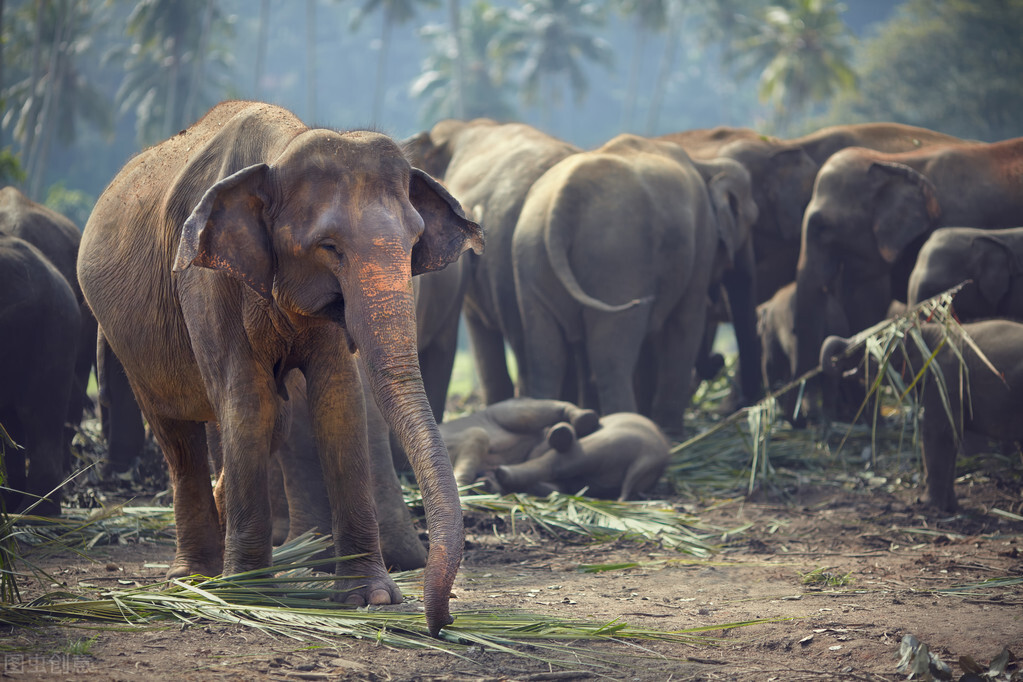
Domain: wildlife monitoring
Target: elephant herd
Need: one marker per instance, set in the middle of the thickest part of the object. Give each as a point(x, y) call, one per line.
point(281, 303)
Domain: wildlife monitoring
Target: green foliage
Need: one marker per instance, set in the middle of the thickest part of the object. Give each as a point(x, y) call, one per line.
point(802, 53)
point(10, 168)
point(75, 204)
point(948, 65)
point(821, 577)
point(549, 40)
point(486, 91)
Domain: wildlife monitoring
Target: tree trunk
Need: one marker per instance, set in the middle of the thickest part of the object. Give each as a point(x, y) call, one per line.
point(310, 60)
point(170, 114)
point(190, 114)
point(385, 44)
point(664, 72)
point(45, 123)
point(629, 109)
point(458, 74)
point(261, 40)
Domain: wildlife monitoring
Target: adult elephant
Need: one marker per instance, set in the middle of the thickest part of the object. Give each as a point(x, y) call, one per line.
point(870, 214)
point(489, 167)
point(57, 238)
point(39, 325)
point(249, 245)
point(991, 259)
point(783, 173)
point(613, 247)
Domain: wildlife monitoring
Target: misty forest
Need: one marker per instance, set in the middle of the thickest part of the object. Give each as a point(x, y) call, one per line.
point(86, 84)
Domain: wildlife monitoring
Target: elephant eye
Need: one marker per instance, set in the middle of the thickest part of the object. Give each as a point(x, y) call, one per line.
point(330, 247)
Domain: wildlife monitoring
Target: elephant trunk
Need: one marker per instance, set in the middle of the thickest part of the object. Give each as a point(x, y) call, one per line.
point(811, 302)
point(383, 326)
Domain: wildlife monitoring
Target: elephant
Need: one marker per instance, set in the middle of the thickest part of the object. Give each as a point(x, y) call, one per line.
point(623, 459)
point(58, 239)
point(994, 396)
point(783, 172)
point(39, 332)
point(871, 213)
point(251, 244)
point(298, 494)
point(617, 247)
point(992, 259)
point(489, 167)
point(508, 431)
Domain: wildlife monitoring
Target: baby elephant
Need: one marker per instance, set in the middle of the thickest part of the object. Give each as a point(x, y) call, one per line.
point(508, 431)
point(537, 446)
point(996, 400)
point(622, 459)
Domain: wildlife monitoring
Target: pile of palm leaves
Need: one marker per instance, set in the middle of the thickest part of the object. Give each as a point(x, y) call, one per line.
point(293, 602)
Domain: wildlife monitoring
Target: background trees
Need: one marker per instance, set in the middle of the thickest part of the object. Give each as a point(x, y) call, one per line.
point(84, 84)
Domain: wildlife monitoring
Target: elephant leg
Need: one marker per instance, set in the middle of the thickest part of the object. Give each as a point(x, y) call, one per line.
point(14, 461)
point(488, 350)
point(200, 545)
point(436, 361)
point(468, 451)
point(676, 347)
point(122, 419)
point(613, 343)
point(546, 357)
point(338, 409)
point(939, 450)
point(280, 521)
point(739, 285)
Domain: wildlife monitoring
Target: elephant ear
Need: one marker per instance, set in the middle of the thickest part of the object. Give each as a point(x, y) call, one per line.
point(789, 185)
point(226, 231)
point(905, 207)
point(989, 263)
point(448, 231)
point(733, 220)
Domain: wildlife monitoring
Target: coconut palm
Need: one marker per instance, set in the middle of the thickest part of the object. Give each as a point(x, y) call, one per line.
point(173, 45)
point(49, 97)
point(550, 39)
point(394, 13)
point(483, 90)
point(802, 53)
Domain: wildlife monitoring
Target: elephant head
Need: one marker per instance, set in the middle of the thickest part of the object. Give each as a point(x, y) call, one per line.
point(334, 229)
point(994, 265)
point(863, 218)
point(731, 196)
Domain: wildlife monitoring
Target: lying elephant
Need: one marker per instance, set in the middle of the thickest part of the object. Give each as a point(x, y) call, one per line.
point(993, 259)
point(508, 431)
point(536, 446)
point(995, 400)
point(621, 460)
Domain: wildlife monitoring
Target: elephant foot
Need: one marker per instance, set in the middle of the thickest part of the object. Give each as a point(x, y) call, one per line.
point(585, 422)
point(185, 565)
point(365, 581)
point(561, 436)
point(45, 506)
point(402, 550)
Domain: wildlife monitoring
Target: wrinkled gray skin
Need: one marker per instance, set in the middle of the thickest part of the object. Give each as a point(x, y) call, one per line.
point(250, 245)
point(776, 326)
point(871, 213)
point(622, 460)
point(995, 403)
point(299, 496)
point(489, 167)
point(58, 239)
point(39, 325)
point(783, 172)
point(993, 259)
point(508, 431)
point(613, 248)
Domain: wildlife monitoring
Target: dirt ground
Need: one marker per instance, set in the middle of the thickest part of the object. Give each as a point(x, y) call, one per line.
point(896, 557)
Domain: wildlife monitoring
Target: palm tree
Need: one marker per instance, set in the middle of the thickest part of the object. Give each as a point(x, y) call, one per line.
point(483, 90)
point(802, 53)
point(166, 37)
point(49, 96)
point(550, 39)
point(395, 13)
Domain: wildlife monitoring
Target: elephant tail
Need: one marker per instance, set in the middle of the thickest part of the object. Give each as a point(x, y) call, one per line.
point(556, 243)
